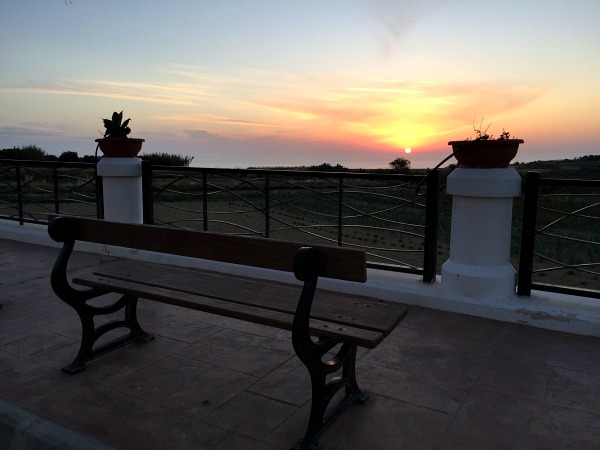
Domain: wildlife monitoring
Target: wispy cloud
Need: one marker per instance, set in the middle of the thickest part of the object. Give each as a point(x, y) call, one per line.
point(144, 92)
point(397, 17)
point(374, 112)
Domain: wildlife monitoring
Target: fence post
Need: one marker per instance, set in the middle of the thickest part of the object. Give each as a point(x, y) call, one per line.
point(340, 210)
point(19, 193)
point(479, 264)
point(532, 185)
point(432, 211)
point(267, 206)
point(55, 189)
point(99, 194)
point(147, 193)
point(122, 189)
point(205, 200)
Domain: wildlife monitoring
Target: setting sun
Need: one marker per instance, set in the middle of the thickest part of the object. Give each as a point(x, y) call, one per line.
point(407, 150)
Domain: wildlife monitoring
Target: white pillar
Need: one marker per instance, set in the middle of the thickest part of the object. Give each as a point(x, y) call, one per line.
point(479, 264)
point(122, 189)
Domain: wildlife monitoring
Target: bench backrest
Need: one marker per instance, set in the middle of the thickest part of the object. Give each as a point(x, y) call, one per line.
point(340, 263)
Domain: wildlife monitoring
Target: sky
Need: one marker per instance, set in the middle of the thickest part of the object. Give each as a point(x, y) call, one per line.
point(271, 83)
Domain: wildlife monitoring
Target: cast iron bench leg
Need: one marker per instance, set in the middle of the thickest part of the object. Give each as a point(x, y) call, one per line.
point(324, 391)
point(90, 334)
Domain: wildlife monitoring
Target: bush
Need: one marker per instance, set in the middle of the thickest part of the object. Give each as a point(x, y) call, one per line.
point(167, 159)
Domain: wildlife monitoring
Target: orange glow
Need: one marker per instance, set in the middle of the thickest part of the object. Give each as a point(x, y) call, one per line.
point(360, 113)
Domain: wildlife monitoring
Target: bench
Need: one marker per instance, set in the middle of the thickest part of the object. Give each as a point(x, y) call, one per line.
point(339, 323)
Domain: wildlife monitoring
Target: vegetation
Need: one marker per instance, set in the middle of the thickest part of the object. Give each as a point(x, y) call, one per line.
point(115, 127)
point(29, 153)
point(34, 153)
point(167, 159)
point(482, 135)
point(400, 164)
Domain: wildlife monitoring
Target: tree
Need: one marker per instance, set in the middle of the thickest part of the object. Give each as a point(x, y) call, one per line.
point(400, 164)
point(68, 157)
point(28, 152)
point(326, 167)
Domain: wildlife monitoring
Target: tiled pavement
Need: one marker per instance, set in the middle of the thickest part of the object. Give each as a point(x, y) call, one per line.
point(440, 381)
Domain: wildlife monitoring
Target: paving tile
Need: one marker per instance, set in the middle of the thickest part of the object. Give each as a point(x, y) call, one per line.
point(289, 383)
point(30, 290)
point(185, 385)
point(290, 430)
point(421, 390)
point(27, 382)
point(526, 424)
point(382, 423)
point(233, 441)
point(118, 365)
point(186, 328)
point(575, 390)
point(244, 352)
point(14, 324)
point(251, 415)
point(454, 442)
point(455, 325)
point(129, 422)
point(425, 354)
point(552, 348)
point(515, 376)
point(37, 344)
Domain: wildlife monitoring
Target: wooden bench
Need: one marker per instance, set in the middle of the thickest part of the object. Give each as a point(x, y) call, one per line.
point(339, 323)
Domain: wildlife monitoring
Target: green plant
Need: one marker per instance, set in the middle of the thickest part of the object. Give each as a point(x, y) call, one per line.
point(115, 127)
point(482, 135)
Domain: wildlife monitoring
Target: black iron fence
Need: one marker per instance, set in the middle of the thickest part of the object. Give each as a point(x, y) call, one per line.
point(30, 190)
point(560, 248)
point(380, 213)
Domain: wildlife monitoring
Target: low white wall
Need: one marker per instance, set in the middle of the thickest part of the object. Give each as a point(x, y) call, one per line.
point(544, 310)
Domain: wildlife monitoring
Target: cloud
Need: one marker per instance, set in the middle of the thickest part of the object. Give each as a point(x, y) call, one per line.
point(397, 17)
point(214, 119)
point(144, 92)
point(358, 112)
point(389, 111)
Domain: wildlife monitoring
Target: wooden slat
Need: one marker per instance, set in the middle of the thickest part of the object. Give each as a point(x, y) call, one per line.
point(360, 337)
point(342, 263)
point(338, 308)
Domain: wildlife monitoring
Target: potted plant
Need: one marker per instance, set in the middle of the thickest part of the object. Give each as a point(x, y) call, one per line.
point(115, 143)
point(484, 151)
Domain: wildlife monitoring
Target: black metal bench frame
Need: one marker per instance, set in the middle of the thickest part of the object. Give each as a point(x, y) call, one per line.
point(307, 263)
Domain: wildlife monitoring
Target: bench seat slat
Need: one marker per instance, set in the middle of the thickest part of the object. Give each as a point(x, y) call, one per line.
point(343, 309)
point(278, 319)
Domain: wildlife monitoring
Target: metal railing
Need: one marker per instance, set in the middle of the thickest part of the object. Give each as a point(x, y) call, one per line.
point(380, 213)
point(30, 190)
point(560, 245)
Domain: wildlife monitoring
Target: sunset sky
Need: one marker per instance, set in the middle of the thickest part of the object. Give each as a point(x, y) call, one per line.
point(238, 83)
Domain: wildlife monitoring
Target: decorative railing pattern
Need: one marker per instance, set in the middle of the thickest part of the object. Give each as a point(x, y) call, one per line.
point(380, 213)
point(31, 190)
point(560, 243)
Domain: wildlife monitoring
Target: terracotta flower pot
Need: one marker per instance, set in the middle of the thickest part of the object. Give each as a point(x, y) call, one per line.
point(120, 147)
point(486, 154)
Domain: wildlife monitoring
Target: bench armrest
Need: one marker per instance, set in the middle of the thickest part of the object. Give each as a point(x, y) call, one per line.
point(309, 262)
point(62, 229)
